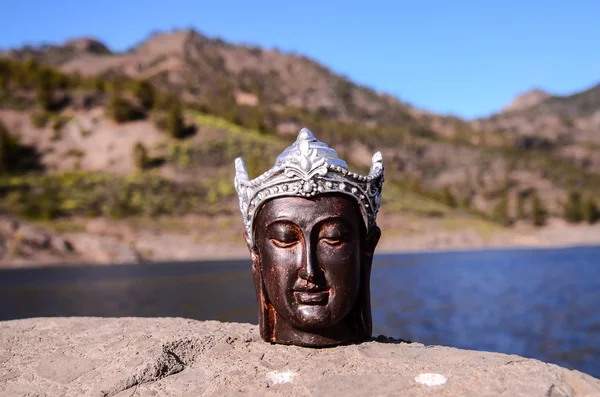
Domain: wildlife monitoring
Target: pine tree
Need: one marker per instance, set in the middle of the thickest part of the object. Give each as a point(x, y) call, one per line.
point(500, 211)
point(120, 109)
point(140, 156)
point(145, 93)
point(175, 125)
point(538, 211)
point(573, 209)
point(590, 212)
point(44, 90)
point(448, 198)
point(4, 149)
point(521, 207)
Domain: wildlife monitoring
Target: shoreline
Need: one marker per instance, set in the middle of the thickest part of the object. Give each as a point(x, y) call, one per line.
point(244, 256)
point(113, 244)
point(215, 260)
point(492, 248)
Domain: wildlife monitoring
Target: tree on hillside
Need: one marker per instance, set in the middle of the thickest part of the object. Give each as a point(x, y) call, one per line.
point(45, 90)
point(99, 85)
point(257, 121)
point(414, 184)
point(3, 82)
point(140, 156)
point(120, 109)
point(500, 211)
point(144, 91)
point(4, 148)
point(538, 211)
point(521, 206)
point(590, 212)
point(27, 72)
point(448, 197)
point(572, 210)
point(175, 124)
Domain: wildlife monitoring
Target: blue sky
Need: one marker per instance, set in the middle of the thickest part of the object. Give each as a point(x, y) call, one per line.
point(467, 58)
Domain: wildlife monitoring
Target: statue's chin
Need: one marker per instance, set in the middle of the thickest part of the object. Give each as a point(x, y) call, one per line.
point(314, 317)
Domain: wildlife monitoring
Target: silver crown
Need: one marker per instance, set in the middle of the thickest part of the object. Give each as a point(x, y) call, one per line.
point(307, 168)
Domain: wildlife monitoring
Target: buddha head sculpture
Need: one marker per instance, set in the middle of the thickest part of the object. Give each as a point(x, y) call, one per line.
point(310, 225)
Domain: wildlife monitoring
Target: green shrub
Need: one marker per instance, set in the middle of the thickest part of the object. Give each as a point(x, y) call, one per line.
point(521, 207)
point(95, 194)
point(218, 189)
point(414, 185)
point(448, 198)
point(140, 156)
point(590, 212)
point(144, 91)
point(4, 148)
point(500, 211)
point(84, 132)
point(538, 211)
point(121, 110)
point(465, 201)
point(45, 90)
point(78, 153)
point(174, 123)
point(39, 119)
point(15, 157)
point(57, 123)
point(573, 208)
point(3, 82)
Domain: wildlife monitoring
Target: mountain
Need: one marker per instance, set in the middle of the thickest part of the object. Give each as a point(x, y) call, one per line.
point(202, 69)
point(58, 54)
point(567, 126)
point(527, 99)
point(81, 107)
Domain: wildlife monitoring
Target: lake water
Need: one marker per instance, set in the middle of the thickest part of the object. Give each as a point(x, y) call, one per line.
point(542, 304)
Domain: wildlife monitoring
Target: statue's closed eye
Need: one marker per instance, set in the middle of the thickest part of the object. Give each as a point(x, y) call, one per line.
point(284, 244)
point(333, 241)
point(284, 235)
point(334, 234)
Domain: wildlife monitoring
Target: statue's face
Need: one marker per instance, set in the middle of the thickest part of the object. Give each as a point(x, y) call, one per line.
point(310, 257)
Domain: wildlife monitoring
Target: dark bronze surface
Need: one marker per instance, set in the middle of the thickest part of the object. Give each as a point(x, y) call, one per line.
point(312, 266)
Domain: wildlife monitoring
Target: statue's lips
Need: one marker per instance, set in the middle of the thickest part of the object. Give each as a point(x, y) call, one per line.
point(312, 297)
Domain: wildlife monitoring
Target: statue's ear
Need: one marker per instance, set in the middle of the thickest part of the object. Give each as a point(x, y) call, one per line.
point(251, 247)
point(264, 320)
point(371, 242)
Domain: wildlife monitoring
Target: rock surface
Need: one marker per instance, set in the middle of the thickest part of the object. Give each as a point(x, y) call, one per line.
point(180, 357)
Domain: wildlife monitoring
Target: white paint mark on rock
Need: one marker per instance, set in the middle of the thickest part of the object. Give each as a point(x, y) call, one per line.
point(277, 377)
point(431, 379)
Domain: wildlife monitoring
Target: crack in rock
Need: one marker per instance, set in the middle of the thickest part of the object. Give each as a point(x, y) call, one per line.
point(168, 363)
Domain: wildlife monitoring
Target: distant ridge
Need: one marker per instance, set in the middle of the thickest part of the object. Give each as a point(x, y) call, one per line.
point(527, 99)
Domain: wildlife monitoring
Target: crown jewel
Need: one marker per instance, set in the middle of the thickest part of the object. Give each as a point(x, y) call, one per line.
point(307, 168)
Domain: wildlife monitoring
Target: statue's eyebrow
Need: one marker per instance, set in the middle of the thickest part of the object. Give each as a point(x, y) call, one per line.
point(280, 220)
point(337, 218)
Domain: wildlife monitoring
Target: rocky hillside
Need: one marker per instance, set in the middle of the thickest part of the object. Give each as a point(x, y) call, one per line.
point(86, 132)
point(216, 74)
point(527, 99)
point(568, 127)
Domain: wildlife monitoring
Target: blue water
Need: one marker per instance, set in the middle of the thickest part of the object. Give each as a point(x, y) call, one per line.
point(535, 303)
point(542, 304)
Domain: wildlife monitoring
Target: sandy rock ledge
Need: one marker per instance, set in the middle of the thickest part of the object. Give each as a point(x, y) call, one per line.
point(178, 357)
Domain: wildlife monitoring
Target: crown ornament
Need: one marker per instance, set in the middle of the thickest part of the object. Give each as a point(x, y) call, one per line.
point(308, 168)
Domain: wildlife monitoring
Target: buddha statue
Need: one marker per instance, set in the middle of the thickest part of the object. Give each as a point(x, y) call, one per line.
point(310, 226)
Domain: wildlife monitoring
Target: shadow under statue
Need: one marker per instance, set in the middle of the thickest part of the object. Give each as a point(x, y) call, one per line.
point(310, 226)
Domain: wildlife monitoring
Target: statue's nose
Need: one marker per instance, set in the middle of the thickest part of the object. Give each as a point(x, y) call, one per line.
point(311, 270)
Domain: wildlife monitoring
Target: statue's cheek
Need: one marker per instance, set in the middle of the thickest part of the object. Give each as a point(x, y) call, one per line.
point(281, 266)
point(344, 258)
point(342, 270)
